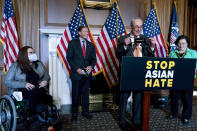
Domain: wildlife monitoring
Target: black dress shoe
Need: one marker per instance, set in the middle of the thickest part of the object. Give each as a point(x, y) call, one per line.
point(171, 117)
point(122, 126)
point(74, 118)
point(186, 121)
point(137, 125)
point(88, 116)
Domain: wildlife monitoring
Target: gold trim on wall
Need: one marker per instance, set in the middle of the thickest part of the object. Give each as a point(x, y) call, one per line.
point(98, 4)
point(46, 13)
point(47, 23)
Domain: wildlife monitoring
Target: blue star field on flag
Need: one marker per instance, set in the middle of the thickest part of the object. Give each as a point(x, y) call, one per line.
point(77, 20)
point(174, 33)
point(151, 29)
point(151, 25)
point(113, 22)
point(8, 10)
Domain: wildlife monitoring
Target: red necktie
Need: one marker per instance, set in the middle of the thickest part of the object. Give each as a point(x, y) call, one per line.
point(137, 50)
point(84, 49)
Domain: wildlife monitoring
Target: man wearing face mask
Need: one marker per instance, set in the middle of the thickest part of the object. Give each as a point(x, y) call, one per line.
point(29, 75)
point(81, 56)
point(128, 47)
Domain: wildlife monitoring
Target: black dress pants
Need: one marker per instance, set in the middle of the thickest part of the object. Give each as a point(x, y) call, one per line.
point(186, 98)
point(80, 88)
point(136, 106)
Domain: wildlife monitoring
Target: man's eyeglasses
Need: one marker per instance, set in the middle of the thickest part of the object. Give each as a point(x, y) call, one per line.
point(137, 27)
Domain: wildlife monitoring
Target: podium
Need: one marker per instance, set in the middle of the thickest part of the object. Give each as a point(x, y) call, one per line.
point(151, 73)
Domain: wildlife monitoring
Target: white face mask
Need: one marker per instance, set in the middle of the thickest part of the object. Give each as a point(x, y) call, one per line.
point(33, 57)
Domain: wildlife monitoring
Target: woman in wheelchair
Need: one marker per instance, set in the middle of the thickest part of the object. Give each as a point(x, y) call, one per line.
point(30, 76)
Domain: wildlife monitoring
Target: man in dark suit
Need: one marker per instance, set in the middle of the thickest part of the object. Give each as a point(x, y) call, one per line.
point(127, 47)
point(81, 56)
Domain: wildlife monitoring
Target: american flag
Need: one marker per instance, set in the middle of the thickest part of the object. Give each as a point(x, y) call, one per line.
point(9, 36)
point(71, 32)
point(174, 33)
point(151, 29)
point(106, 44)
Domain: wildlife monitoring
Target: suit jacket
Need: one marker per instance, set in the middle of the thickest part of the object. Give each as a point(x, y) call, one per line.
point(75, 57)
point(15, 79)
point(120, 51)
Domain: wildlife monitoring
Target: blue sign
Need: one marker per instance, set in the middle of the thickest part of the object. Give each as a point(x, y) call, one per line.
point(150, 73)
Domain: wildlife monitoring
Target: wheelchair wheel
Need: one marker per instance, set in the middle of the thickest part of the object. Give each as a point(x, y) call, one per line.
point(7, 114)
point(50, 115)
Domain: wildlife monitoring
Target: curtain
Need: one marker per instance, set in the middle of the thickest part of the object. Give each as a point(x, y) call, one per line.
point(192, 24)
point(28, 22)
point(192, 27)
point(27, 14)
point(164, 12)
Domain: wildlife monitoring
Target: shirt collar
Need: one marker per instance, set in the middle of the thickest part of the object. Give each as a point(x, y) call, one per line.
point(131, 35)
point(81, 41)
point(177, 51)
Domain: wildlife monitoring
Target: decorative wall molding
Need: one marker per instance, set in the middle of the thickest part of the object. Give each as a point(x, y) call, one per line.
point(47, 23)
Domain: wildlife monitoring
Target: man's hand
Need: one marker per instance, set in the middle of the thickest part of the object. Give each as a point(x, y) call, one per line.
point(127, 41)
point(88, 69)
point(43, 84)
point(29, 86)
point(152, 42)
point(80, 72)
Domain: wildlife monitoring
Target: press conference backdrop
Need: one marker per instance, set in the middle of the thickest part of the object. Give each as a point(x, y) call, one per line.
point(146, 73)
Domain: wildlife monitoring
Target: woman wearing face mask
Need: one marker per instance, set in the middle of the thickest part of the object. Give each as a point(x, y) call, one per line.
point(183, 51)
point(29, 75)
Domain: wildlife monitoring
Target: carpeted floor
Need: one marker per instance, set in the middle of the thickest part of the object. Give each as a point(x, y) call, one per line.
point(107, 120)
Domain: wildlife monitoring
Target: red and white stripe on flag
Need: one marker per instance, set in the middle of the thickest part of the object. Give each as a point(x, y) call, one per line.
point(107, 48)
point(98, 66)
point(160, 48)
point(106, 44)
point(151, 29)
point(62, 48)
point(9, 36)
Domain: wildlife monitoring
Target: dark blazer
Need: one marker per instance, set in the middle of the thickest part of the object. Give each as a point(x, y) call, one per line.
point(75, 57)
point(146, 50)
point(120, 51)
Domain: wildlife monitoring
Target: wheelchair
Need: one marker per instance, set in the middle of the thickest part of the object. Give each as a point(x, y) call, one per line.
point(14, 113)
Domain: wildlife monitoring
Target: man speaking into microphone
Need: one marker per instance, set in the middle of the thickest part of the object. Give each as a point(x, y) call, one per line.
point(137, 45)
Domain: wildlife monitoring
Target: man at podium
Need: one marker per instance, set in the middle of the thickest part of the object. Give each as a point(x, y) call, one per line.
point(137, 45)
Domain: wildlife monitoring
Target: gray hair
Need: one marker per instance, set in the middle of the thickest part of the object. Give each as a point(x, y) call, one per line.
point(136, 18)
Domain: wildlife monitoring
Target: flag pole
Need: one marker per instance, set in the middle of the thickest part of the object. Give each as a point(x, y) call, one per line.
point(17, 18)
point(154, 16)
point(1, 6)
point(116, 21)
point(81, 14)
